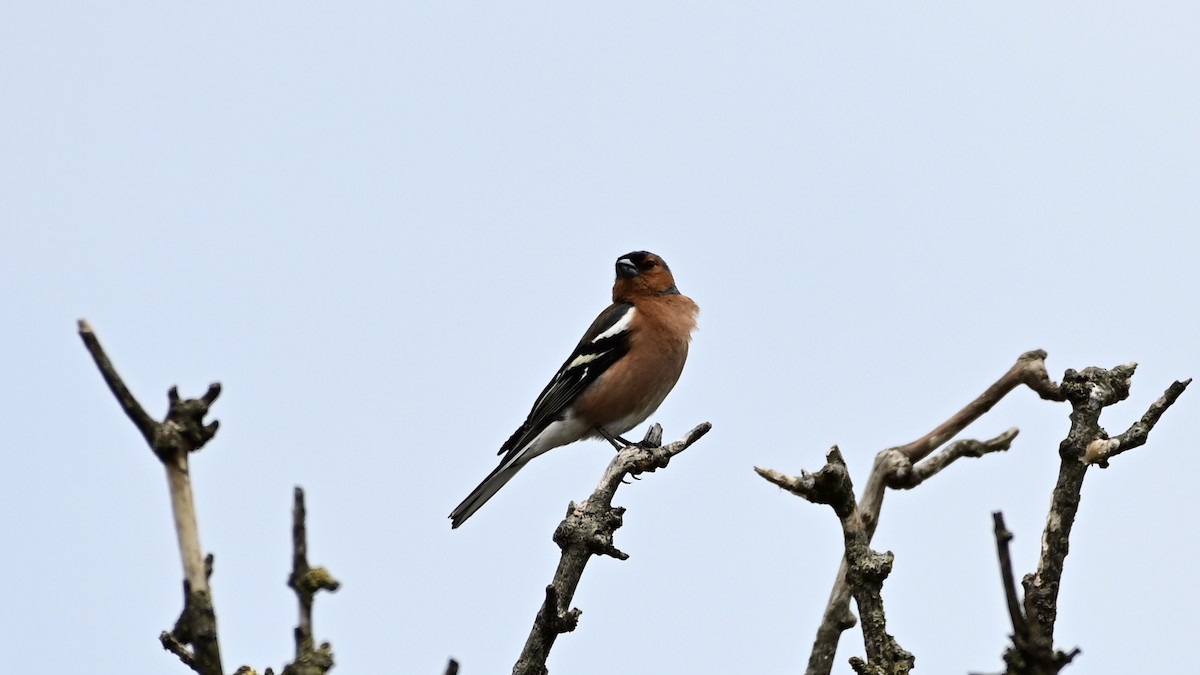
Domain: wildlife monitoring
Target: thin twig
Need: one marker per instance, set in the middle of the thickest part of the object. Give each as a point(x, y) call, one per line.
point(1100, 451)
point(1003, 537)
point(968, 447)
point(831, 485)
point(586, 531)
point(179, 649)
point(134, 410)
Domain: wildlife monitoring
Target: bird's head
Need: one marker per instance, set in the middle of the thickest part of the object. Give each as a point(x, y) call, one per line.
point(642, 273)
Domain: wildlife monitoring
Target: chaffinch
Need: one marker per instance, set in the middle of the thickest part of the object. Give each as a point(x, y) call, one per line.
point(624, 366)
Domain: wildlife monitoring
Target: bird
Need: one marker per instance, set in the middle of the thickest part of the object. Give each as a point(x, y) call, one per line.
point(621, 371)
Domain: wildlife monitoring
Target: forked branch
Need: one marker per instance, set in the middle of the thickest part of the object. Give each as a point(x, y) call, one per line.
point(587, 531)
point(1089, 392)
point(867, 569)
point(905, 467)
point(172, 440)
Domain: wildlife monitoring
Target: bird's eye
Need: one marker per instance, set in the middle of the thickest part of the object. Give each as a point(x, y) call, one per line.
point(649, 264)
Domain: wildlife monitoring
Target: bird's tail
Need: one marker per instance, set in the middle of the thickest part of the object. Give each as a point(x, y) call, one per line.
point(490, 486)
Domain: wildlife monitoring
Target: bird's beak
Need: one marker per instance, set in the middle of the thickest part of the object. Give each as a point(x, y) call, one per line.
point(626, 269)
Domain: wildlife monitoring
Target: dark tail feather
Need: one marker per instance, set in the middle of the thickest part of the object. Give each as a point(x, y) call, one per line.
point(479, 496)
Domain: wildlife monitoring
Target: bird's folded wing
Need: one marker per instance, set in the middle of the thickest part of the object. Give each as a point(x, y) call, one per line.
point(604, 343)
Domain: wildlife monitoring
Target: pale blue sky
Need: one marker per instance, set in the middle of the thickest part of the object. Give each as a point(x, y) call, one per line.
point(381, 227)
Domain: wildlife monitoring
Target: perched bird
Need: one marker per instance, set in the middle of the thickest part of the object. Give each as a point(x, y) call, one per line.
point(627, 362)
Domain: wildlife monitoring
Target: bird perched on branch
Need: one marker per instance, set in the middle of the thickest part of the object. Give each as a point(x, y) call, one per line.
point(620, 372)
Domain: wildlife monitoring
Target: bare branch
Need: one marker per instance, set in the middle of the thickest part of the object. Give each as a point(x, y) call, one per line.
point(586, 531)
point(968, 447)
point(134, 410)
point(1030, 369)
point(179, 649)
point(1088, 391)
point(181, 433)
point(867, 569)
point(1100, 451)
point(1003, 537)
point(831, 485)
point(306, 581)
point(902, 467)
point(1025, 656)
point(197, 626)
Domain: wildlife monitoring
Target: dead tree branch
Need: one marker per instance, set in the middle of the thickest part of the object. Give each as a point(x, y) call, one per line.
point(1089, 392)
point(181, 433)
point(586, 531)
point(967, 447)
point(1015, 614)
point(306, 581)
point(903, 467)
point(1023, 657)
point(867, 569)
point(1100, 450)
point(172, 440)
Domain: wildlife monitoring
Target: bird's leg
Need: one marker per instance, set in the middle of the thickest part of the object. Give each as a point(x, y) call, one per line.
point(617, 442)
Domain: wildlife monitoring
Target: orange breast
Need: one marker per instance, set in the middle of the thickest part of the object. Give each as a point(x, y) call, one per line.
point(633, 387)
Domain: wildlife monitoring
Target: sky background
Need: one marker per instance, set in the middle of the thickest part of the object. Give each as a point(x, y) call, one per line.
point(382, 226)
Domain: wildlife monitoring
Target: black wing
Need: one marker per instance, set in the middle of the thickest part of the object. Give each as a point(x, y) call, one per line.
point(605, 341)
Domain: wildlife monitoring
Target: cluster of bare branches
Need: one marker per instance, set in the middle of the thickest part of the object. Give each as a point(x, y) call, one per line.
point(194, 637)
point(589, 527)
point(862, 572)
